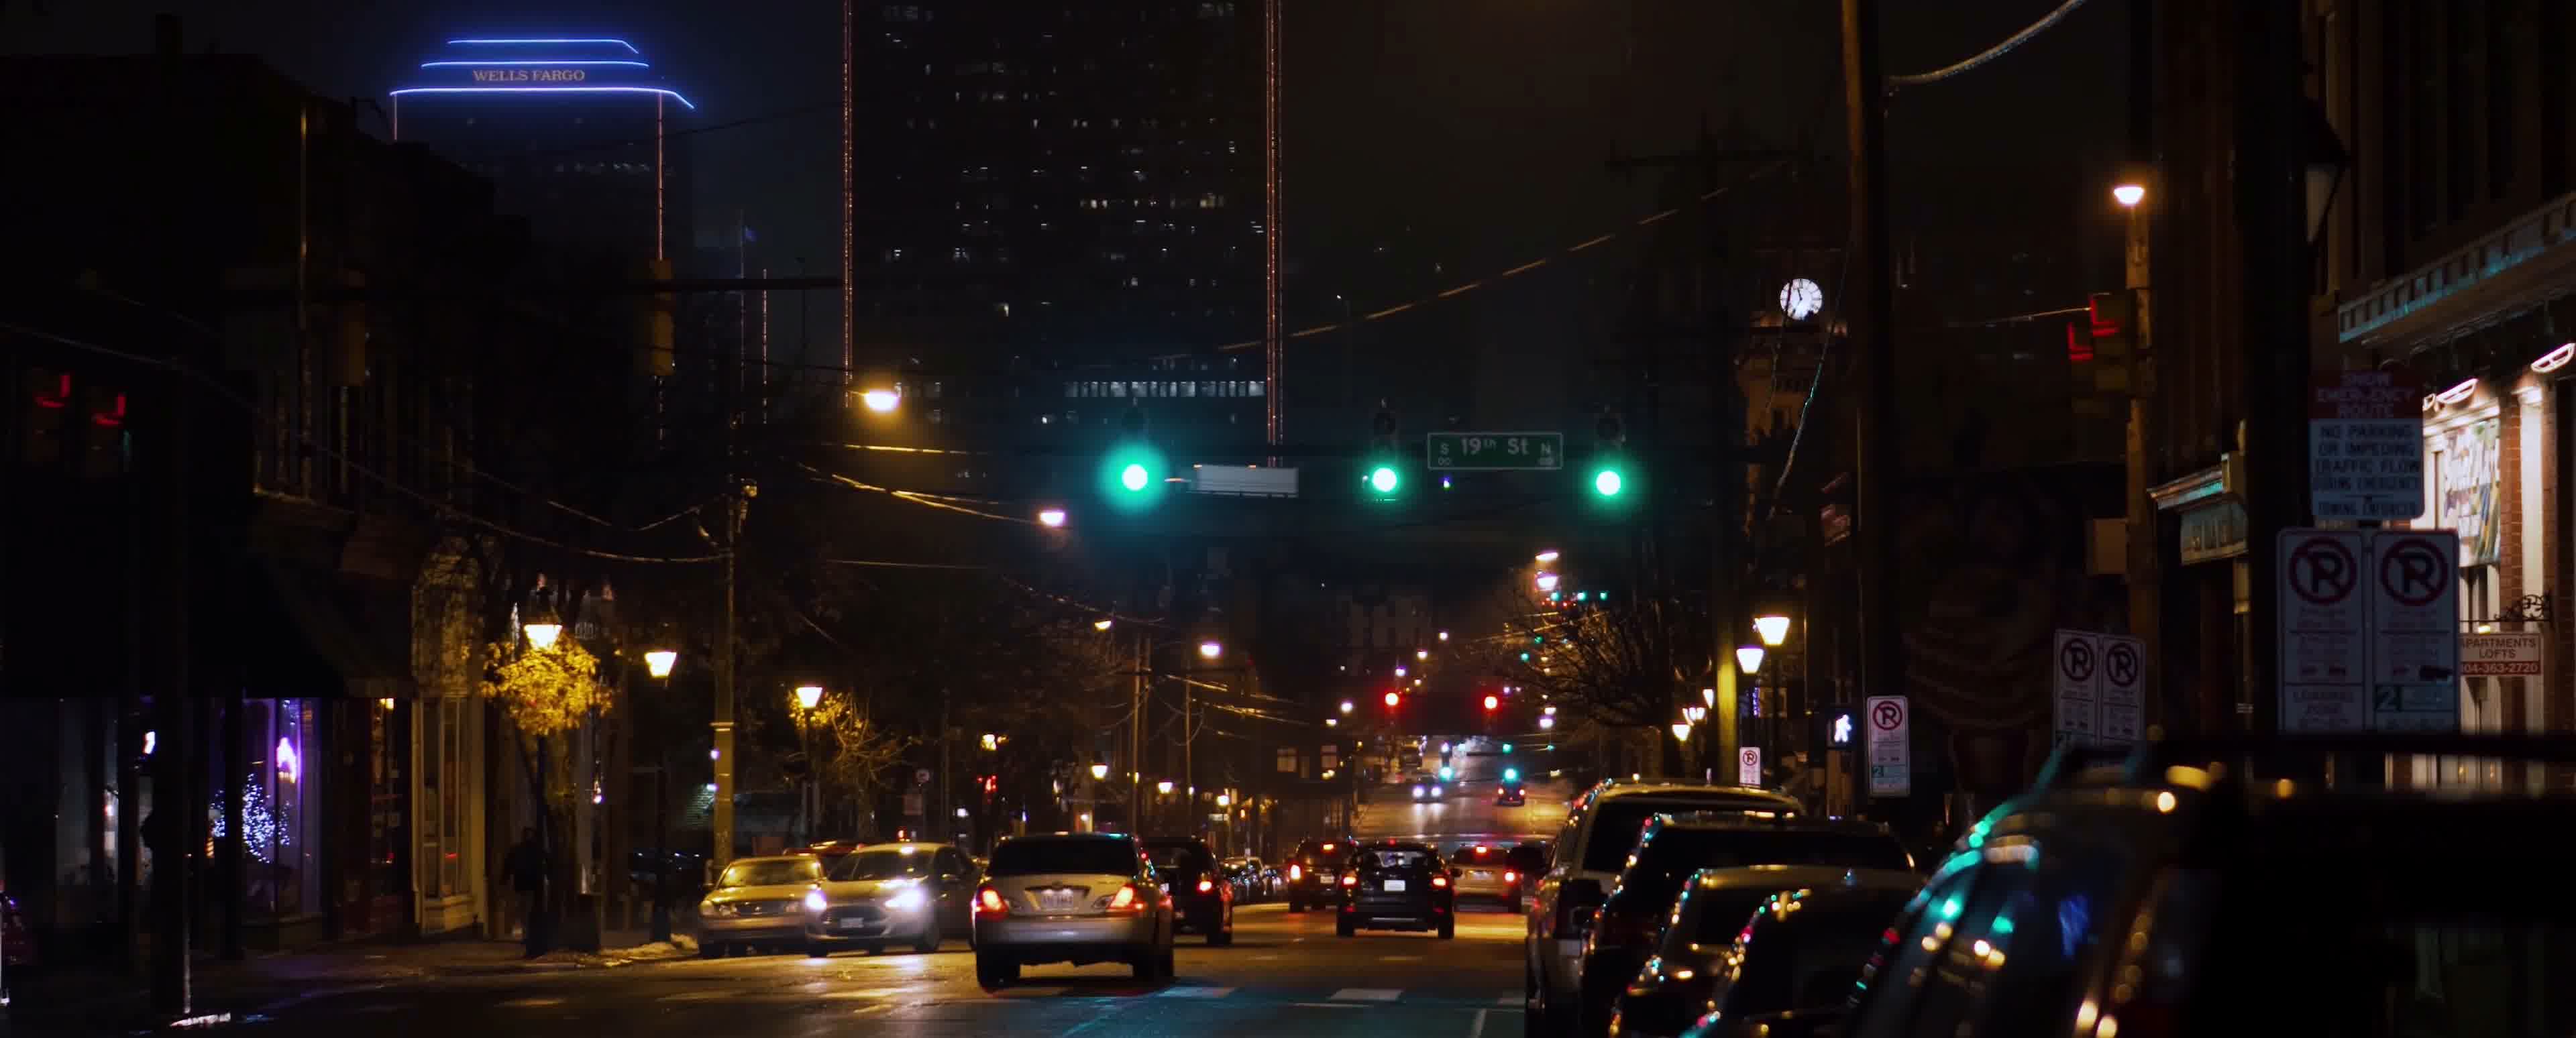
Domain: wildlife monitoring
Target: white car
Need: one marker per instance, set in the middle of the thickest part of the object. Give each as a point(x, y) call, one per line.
point(1072, 897)
point(1427, 791)
point(893, 893)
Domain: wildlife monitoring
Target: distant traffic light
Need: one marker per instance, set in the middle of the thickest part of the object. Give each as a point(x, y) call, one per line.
point(1132, 473)
point(1507, 747)
point(1383, 479)
point(1607, 478)
point(1392, 699)
point(1493, 702)
point(1511, 774)
point(1382, 472)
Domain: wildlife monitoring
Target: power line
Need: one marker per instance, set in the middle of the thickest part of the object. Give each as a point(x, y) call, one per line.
point(1991, 53)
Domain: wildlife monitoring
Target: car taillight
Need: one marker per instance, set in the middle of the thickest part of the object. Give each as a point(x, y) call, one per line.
point(1206, 885)
point(1351, 880)
point(1125, 900)
point(988, 901)
point(1295, 873)
point(1510, 876)
point(1439, 881)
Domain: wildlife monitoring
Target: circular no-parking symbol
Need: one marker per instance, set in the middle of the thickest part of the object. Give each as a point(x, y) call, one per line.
point(2122, 664)
point(2075, 659)
point(1887, 716)
point(2415, 572)
point(2322, 570)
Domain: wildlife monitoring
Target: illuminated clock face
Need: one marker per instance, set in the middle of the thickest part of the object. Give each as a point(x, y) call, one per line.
point(1801, 299)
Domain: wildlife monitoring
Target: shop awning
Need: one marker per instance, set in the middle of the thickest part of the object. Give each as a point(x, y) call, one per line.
point(330, 636)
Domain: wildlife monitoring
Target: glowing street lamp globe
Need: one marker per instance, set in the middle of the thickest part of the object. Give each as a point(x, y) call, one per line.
point(660, 661)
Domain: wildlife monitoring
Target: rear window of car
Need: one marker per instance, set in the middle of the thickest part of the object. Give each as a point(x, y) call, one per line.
point(1091, 857)
point(1399, 859)
point(1619, 820)
point(1478, 856)
point(1186, 856)
point(1810, 957)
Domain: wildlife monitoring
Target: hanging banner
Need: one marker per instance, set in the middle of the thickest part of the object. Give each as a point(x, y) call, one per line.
point(2469, 457)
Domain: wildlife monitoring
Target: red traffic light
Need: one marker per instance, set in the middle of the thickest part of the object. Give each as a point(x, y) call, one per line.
point(1393, 698)
point(1492, 702)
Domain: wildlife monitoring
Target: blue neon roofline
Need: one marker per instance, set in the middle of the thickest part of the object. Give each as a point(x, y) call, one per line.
point(672, 94)
point(568, 61)
point(630, 48)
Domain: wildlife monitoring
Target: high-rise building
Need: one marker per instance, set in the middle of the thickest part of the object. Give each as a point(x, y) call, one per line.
point(1057, 210)
point(574, 133)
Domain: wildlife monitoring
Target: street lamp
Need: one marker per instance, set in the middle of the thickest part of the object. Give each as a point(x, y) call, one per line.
point(1209, 650)
point(1099, 771)
point(1051, 518)
point(1346, 707)
point(542, 635)
point(1223, 800)
point(1773, 627)
point(660, 661)
point(1164, 786)
point(1101, 624)
point(1421, 654)
point(1681, 731)
point(1547, 581)
point(1548, 722)
point(2129, 194)
point(807, 696)
point(1709, 697)
point(1748, 658)
point(1444, 636)
point(1547, 556)
point(1399, 672)
point(1694, 714)
point(881, 401)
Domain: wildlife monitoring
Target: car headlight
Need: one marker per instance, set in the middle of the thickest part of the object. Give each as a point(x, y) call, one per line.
point(905, 901)
point(1435, 791)
point(1417, 791)
point(715, 908)
point(815, 902)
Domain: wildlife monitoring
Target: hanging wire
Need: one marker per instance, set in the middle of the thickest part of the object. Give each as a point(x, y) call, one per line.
point(1991, 53)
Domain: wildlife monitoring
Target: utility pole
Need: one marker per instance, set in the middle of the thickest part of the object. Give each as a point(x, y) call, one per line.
point(1136, 740)
point(1877, 426)
point(175, 745)
point(2270, 207)
point(2146, 558)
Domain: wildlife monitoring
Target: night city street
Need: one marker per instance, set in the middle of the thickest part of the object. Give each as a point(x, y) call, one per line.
point(1474, 518)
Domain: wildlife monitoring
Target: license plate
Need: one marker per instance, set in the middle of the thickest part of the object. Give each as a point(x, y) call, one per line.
point(854, 924)
point(1394, 886)
point(1480, 876)
point(1055, 900)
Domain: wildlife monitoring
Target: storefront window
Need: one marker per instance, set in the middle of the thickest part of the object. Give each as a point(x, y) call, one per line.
point(279, 800)
point(442, 805)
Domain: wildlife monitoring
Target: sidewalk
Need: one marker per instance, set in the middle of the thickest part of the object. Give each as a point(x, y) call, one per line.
point(90, 999)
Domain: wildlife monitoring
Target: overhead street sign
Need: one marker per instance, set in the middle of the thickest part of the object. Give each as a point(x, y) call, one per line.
point(2323, 660)
point(2415, 630)
point(1891, 753)
point(2366, 445)
point(1494, 451)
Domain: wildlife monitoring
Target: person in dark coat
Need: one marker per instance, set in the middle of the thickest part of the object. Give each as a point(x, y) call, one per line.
point(525, 866)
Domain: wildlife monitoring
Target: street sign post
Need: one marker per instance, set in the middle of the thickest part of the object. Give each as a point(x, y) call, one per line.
point(2366, 445)
point(2509, 654)
point(2415, 630)
point(1891, 756)
point(1748, 767)
point(2323, 613)
point(2078, 677)
point(1494, 451)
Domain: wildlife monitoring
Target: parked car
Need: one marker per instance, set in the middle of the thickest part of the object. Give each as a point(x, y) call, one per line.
point(1601, 825)
point(1253, 881)
point(2218, 887)
point(889, 892)
point(1674, 847)
point(1071, 897)
point(760, 902)
point(1761, 940)
point(1397, 885)
point(1196, 885)
point(1315, 872)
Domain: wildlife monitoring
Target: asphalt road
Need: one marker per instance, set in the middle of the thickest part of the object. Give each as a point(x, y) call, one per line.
point(1466, 809)
point(1284, 975)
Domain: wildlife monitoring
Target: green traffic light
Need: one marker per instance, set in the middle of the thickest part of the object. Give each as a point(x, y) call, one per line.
point(1383, 479)
point(1133, 477)
point(1510, 772)
point(1607, 483)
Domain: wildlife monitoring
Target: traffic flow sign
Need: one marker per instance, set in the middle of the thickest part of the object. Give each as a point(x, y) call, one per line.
point(1494, 451)
point(1891, 753)
point(2366, 445)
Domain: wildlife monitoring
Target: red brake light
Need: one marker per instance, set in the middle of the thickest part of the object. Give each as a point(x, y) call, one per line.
point(1205, 886)
point(1350, 879)
point(1295, 873)
point(1439, 881)
point(988, 901)
point(1328, 848)
point(1125, 899)
point(1510, 876)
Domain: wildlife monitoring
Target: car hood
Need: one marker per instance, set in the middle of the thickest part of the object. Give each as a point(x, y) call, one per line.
point(769, 892)
point(853, 891)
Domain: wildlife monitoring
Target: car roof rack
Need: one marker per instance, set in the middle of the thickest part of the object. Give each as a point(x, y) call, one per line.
point(2070, 766)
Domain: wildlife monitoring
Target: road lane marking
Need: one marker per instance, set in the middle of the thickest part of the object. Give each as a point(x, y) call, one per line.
point(1478, 1031)
point(1399, 958)
point(694, 996)
point(1368, 994)
point(1328, 1005)
point(1193, 992)
point(530, 1003)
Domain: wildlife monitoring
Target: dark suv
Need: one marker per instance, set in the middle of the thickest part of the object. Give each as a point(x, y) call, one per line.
point(1314, 872)
point(1201, 892)
point(2224, 888)
point(1672, 849)
point(1395, 885)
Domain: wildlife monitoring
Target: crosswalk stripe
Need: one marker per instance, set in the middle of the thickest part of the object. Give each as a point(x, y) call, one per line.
point(1193, 992)
point(1368, 994)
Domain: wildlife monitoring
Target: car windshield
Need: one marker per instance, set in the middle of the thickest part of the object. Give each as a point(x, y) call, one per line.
point(1620, 820)
point(1809, 957)
point(1182, 856)
point(882, 865)
point(1087, 857)
point(771, 872)
point(1675, 853)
